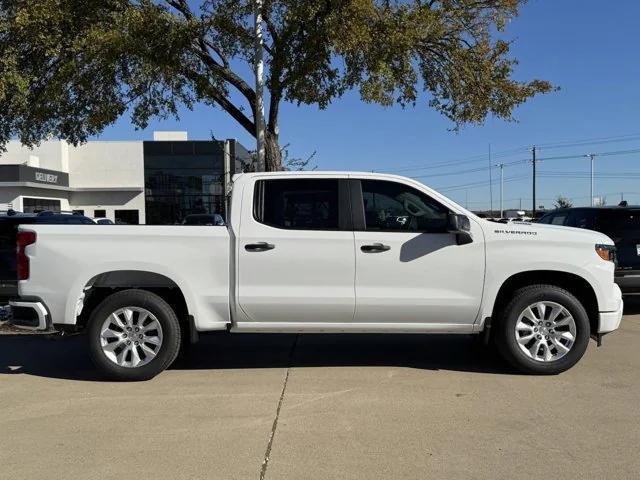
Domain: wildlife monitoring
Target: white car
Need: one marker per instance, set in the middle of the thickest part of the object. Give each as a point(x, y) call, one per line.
point(321, 252)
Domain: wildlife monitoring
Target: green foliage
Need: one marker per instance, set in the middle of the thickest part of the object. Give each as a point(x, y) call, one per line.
point(69, 68)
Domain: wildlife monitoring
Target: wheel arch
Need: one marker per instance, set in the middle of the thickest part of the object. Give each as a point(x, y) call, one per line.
point(104, 284)
point(571, 282)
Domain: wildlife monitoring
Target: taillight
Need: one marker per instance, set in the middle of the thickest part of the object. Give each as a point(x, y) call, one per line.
point(24, 239)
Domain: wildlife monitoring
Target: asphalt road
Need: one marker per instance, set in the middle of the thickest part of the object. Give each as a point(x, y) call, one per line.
point(321, 407)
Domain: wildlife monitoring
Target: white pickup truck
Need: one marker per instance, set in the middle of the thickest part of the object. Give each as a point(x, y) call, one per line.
point(320, 252)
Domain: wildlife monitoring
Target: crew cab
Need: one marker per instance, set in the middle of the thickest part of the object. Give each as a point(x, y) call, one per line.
point(320, 252)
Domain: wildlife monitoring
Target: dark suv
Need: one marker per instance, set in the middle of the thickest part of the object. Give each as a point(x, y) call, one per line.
point(8, 229)
point(621, 224)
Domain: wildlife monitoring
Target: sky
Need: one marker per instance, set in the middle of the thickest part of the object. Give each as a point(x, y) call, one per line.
point(588, 48)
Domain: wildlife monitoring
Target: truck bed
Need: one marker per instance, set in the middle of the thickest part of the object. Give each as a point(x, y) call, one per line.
point(66, 259)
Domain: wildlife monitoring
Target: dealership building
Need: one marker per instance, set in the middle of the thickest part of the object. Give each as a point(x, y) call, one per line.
point(154, 182)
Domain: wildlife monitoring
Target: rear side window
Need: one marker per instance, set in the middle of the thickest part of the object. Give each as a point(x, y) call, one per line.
point(581, 219)
point(619, 220)
point(298, 204)
point(391, 207)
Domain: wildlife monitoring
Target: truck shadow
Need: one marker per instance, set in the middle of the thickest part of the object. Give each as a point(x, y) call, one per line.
point(67, 357)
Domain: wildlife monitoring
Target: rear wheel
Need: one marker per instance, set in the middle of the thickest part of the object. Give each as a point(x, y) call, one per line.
point(544, 329)
point(133, 335)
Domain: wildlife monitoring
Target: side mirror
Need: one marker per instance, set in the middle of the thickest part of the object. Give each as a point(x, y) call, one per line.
point(461, 226)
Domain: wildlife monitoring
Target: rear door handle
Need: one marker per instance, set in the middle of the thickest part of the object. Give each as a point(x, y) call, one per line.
point(259, 247)
point(376, 247)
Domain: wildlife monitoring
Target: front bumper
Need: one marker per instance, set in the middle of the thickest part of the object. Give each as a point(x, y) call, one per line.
point(29, 315)
point(610, 321)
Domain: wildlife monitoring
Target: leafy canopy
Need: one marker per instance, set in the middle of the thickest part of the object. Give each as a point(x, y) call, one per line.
point(69, 68)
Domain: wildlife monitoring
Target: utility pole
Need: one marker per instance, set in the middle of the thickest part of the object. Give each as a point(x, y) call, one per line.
point(591, 157)
point(533, 160)
point(490, 186)
point(259, 72)
point(501, 165)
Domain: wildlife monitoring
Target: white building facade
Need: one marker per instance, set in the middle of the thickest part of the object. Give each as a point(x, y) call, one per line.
point(158, 181)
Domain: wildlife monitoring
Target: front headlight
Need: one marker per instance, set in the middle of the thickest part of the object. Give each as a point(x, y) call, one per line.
point(606, 252)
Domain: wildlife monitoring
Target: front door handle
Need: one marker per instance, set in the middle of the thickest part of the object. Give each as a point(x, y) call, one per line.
point(259, 247)
point(376, 247)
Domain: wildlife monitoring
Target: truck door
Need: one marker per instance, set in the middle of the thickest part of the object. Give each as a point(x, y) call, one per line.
point(296, 251)
point(408, 268)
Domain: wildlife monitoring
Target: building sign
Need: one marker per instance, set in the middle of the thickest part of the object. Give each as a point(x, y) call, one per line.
point(46, 177)
point(24, 173)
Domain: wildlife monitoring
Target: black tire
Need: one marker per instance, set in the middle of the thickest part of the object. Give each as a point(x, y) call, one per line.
point(165, 315)
point(505, 338)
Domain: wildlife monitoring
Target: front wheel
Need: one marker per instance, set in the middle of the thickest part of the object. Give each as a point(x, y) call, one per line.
point(133, 335)
point(544, 329)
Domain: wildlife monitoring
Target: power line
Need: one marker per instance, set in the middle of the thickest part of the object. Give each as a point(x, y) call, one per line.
point(523, 161)
point(461, 161)
point(541, 174)
point(620, 175)
point(459, 172)
point(601, 154)
point(479, 184)
point(513, 151)
point(591, 141)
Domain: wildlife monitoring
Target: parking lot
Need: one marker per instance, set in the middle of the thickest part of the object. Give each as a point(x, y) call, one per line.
point(320, 407)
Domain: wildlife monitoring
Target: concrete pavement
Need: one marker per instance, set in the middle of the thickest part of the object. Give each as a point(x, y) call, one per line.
point(354, 406)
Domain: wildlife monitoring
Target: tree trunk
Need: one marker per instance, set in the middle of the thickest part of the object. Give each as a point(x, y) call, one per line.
point(273, 155)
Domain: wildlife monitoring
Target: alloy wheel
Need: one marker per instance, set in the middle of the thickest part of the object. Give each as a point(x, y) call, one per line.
point(131, 337)
point(545, 331)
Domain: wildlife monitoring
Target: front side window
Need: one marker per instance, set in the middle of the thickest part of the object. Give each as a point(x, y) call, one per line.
point(304, 204)
point(390, 206)
point(559, 218)
point(546, 218)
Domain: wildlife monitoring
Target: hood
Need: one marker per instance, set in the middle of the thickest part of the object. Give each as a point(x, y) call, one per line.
point(543, 231)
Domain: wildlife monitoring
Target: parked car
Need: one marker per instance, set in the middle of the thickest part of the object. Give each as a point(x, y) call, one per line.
point(204, 219)
point(103, 221)
point(8, 229)
point(621, 224)
point(321, 252)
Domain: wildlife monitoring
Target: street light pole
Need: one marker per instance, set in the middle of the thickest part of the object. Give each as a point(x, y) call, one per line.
point(501, 165)
point(533, 159)
point(490, 186)
point(591, 157)
point(259, 73)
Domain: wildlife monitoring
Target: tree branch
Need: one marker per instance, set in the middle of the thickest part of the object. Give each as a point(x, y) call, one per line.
point(218, 97)
point(205, 43)
point(182, 7)
point(229, 76)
